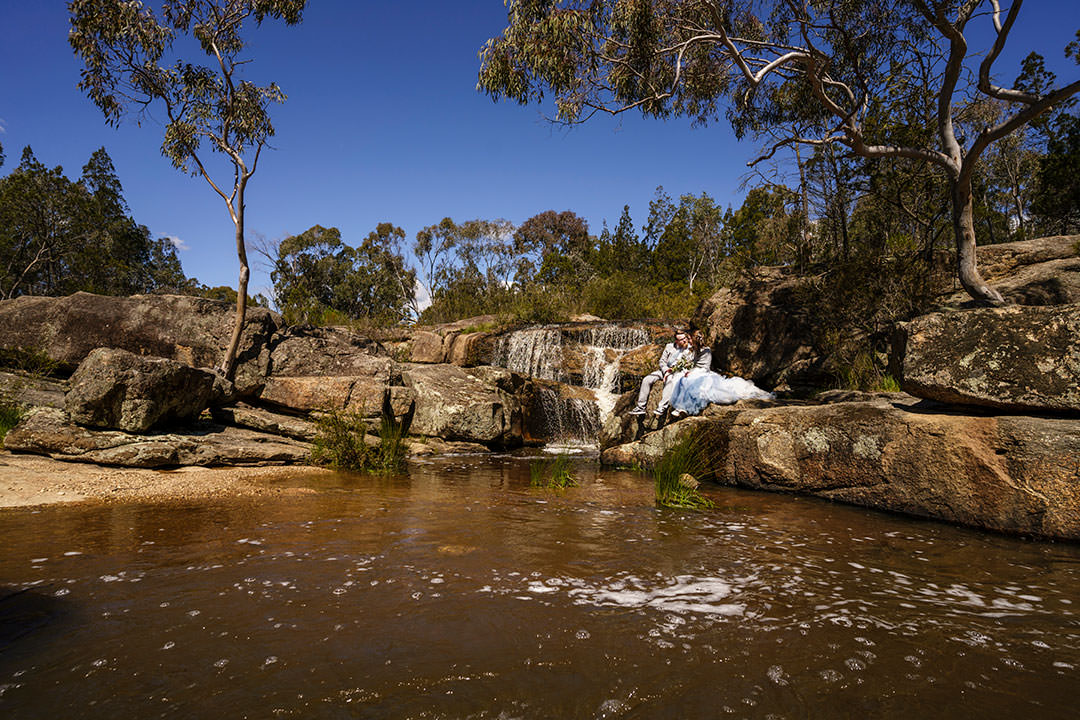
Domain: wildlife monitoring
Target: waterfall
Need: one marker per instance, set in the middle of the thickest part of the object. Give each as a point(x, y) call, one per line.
point(603, 354)
point(541, 353)
point(537, 353)
point(569, 421)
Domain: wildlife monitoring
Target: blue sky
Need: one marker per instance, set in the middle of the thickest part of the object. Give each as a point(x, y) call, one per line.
point(383, 123)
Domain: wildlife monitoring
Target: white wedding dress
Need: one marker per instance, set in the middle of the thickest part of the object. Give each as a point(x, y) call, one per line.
point(695, 389)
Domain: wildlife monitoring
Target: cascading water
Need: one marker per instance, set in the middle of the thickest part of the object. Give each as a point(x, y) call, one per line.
point(537, 353)
point(603, 356)
point(540, 353)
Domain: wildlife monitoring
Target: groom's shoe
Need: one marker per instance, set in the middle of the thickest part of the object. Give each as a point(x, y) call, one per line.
point(637, 411)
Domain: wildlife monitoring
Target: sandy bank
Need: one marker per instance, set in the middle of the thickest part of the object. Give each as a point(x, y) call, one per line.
point(27, 480)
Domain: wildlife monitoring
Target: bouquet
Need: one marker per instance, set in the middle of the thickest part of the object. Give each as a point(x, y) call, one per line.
point(685, 362)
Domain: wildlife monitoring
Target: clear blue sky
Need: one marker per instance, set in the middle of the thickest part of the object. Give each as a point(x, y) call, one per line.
point(383, 123)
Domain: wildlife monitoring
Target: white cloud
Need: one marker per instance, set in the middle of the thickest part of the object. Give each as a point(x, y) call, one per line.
point(423, 298)
point(177, 242)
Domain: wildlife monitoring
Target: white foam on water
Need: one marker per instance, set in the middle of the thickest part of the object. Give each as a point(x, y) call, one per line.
point(687, 594)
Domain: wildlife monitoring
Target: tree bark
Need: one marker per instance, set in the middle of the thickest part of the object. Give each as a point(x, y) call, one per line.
point(964, 228)
point(228, 365)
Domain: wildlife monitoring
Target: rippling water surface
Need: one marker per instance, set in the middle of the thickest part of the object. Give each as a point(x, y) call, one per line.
point(459, 591)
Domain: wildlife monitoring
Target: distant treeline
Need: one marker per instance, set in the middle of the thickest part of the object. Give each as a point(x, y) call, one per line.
point(59, 236)
point(836, 219)
point(876, 228)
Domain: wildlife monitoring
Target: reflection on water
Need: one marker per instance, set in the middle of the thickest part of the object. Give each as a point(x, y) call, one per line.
point(459, 591)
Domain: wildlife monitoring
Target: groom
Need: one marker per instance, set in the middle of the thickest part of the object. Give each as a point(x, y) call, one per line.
point(673, 352)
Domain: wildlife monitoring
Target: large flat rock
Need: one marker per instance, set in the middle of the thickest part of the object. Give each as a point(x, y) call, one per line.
point(1043, 271)
point(362, 395)
point(1016, 358)
point(49, 431)
point(190, 330)
point(1010, 473)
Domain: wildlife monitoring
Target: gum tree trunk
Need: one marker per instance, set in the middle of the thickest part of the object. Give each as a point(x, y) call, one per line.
point(228, 365)
point(963, 215)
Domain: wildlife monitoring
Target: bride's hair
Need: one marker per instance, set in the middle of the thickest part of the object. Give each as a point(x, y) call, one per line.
point(697, 340)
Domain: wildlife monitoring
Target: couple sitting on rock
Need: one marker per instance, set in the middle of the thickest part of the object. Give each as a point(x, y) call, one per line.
point(689, 382)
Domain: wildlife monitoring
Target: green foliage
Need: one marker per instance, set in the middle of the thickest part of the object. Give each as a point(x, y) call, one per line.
point(1057, 198)
point(892, 81)
point(320, 280)
point(28, 365)
point(680, 469)
point(853, 306)
point(10, 414)
point(34, 362)
point(765, 229)
point(889, 384)
point(550, 268)
point(552, 474)
point(468, 269)
point(340, 443)
point(59, 236)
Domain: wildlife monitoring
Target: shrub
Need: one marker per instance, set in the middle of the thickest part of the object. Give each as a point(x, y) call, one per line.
point(10, 414)
point(340, 443)
point(32, 361)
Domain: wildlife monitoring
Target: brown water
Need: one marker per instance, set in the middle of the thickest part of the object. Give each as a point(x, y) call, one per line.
point(459, 592)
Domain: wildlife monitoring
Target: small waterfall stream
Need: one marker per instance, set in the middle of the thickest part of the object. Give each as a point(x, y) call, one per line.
point(549, 353)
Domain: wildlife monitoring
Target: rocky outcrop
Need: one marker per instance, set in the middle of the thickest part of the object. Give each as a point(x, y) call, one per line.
point(361, 395)
point(454, 404)
point(459, 343)
point(120, 390)
point(1010, 473)
point(31, 391)
point(315, 370)
point(759, 330)
point(427, 347)
point(328, 352)
point(1016, 358)
point(1044, 271)
point(759, 327)
point(193, 331)
point(253, 418)
point(462, 349)
point(49, 431)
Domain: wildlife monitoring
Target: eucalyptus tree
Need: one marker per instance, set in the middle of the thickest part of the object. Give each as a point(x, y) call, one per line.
point(686, 238)
point(132, 63)
point(824, 65)
point(316, 273)
point(553, 248)
point(1056, 203)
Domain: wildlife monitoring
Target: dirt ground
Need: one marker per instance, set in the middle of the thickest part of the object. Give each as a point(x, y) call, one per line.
point(27, 480)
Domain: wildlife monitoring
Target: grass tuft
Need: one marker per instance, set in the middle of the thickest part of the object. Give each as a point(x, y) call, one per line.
point(678, 472)
point(553, 474)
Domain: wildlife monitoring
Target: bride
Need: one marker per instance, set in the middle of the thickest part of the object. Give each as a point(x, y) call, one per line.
point(698, 386)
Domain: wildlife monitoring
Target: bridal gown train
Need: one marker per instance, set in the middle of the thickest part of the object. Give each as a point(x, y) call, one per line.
point(698, 388)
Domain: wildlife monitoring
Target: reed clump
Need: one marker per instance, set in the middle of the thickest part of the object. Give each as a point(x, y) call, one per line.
point(552, 474)
point(678, 472)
